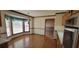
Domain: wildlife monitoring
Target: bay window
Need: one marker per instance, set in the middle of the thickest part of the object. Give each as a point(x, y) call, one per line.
point(16, 25)
point(26, 25)
point(8, 26)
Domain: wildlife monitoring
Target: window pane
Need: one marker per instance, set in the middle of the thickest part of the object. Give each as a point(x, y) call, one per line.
point(8, 26)
point(26, 24)
point(17, 25)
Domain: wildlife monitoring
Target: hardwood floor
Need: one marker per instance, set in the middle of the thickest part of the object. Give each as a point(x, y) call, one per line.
point(31, 41)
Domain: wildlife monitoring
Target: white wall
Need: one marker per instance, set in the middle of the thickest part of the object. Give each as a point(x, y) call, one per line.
point(39, 24)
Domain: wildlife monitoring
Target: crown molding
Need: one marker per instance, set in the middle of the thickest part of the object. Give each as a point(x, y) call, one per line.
point(20, 13)
point(60, 12)
point(44, 16)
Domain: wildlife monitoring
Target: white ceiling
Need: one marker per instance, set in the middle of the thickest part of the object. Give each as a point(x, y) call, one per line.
point(36, 13)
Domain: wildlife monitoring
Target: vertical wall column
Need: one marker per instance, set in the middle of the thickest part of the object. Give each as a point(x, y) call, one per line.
point(59, 27)
point(31, 25)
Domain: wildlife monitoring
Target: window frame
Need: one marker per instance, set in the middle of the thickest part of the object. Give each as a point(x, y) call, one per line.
point(23, 25)
point(6, 27)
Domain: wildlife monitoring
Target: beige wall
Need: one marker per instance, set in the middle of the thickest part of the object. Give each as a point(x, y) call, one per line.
point(39, 24)
point(58, 22)
point(59, 27)
point(31, 25)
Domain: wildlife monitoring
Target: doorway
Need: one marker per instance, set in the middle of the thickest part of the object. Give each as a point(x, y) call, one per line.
point(49, 27)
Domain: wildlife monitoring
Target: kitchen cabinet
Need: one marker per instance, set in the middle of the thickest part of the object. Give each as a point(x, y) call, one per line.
point(75, 11)
point(65, 17)
point(69, 14)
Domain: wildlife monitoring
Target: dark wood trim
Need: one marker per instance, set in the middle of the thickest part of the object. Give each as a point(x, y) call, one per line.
point(37, 34)
point(20, 13)
point(71, 11)
point(23, 26)
point(0, 19)
point(60, 12)
point(71, 27)
point(11, 27)
point(36, 28)
point(45, 16)
point(3, 33)
point(29, 26)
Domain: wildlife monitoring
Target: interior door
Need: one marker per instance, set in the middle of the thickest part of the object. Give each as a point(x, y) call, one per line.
point(49, 28)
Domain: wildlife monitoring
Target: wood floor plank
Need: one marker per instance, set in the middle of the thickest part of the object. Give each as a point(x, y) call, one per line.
point(32, 41)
